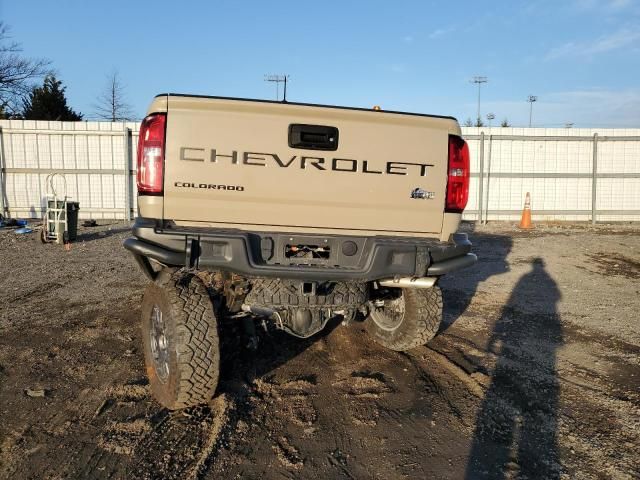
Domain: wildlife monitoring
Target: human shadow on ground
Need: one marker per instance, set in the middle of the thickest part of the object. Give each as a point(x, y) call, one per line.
point(516, 426)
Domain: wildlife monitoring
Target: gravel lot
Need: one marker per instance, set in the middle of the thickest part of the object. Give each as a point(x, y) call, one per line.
point(536, 373)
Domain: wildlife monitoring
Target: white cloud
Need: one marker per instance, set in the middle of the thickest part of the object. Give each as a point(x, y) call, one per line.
point(564, 50)
point(407, 39)
point(619, 3)
point(618, 39)
point(398, 68)
point(439, 32)
point(600, 4)
point(624, 37)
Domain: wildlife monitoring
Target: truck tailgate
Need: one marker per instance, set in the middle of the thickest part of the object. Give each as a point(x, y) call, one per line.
point(230, 162)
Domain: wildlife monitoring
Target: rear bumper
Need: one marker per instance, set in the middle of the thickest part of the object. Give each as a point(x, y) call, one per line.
point(264, 254)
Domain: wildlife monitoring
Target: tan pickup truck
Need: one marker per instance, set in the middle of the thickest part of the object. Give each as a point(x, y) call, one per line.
point(292, 213)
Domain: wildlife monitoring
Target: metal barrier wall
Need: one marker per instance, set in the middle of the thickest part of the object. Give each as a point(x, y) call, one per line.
point(572, 174)
point(97, 159)
point(570, 177)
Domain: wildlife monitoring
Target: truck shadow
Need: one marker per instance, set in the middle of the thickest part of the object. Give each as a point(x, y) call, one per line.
point(516, 426)
point(90, 234)
point(461, 287)
point(275, 349)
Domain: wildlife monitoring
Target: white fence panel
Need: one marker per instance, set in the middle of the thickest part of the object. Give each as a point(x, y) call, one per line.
point(91, 155)
point(555, 165)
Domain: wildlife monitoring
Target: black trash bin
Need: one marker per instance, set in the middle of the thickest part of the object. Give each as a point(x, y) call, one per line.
point(72, 218)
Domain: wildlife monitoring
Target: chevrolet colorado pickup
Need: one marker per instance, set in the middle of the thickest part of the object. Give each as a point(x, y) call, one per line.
point(297, 215)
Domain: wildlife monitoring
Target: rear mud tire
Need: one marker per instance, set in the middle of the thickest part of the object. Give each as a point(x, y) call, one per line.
point(181, 346)
point(409, 319)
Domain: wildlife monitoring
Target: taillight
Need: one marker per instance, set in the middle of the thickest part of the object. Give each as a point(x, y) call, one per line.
point(458, 175)
point(151, 153)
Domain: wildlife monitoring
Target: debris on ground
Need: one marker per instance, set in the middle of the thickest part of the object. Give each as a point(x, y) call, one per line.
point(35, 392)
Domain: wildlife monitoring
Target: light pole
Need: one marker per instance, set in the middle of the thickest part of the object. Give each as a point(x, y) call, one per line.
point(490, 116)
point(278, 79)
point(479, 80)
point(531, 99)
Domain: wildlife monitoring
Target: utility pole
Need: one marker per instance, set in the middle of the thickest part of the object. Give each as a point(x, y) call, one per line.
point(490, 116)
point(479, 80)
point(531, 99)
point(278, 79)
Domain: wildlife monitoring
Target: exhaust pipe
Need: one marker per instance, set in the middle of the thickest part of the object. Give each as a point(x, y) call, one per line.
point(263, 312)
point(408, 282)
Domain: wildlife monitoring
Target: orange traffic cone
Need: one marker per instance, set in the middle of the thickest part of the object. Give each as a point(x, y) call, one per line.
point(525, 221)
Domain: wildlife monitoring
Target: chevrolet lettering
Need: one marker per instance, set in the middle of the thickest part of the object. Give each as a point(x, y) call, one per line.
point(259, 159)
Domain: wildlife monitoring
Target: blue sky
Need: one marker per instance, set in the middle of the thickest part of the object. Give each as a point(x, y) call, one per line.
point(580, 57)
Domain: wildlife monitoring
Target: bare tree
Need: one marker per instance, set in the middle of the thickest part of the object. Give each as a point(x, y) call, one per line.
point(16, 73)
point(112, 104)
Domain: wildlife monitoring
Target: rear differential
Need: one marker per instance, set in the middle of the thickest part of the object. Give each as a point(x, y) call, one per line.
point(304, 308)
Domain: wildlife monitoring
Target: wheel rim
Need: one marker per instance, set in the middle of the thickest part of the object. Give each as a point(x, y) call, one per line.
point(390, 314)
point(159, 344)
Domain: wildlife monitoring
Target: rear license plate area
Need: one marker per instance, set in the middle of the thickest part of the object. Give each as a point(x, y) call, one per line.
point(303, 251)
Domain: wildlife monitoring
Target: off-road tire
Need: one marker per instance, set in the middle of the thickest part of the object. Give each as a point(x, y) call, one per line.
point(191, 338)
point(416, 326)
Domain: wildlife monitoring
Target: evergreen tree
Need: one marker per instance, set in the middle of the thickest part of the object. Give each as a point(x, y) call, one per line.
point(48, 102)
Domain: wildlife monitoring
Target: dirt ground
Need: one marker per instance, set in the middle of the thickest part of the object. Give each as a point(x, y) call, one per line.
point(536, 373)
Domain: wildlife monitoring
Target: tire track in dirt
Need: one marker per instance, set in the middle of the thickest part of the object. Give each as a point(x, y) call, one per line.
point(375, 412)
